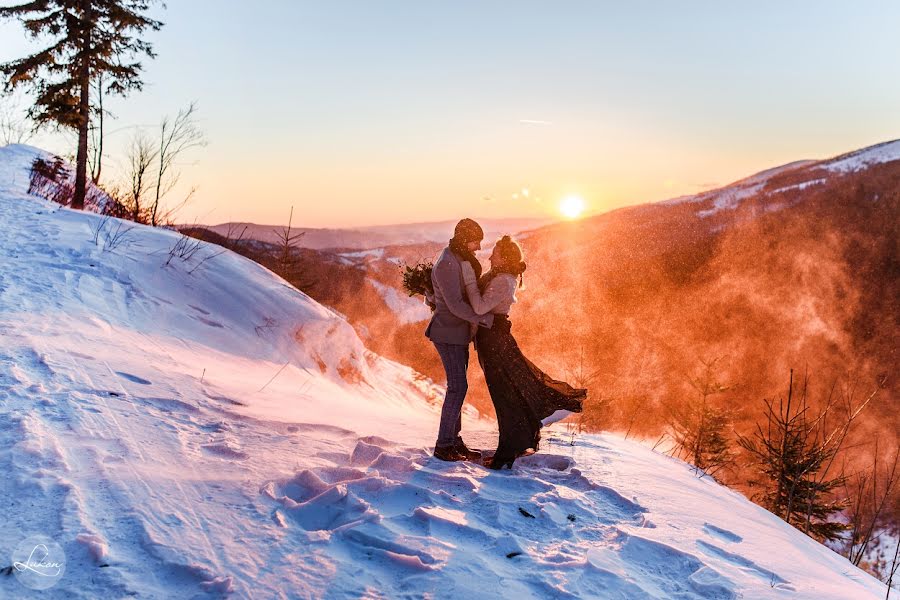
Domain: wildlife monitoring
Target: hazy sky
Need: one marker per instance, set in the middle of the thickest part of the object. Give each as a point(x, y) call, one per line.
point(383, 112)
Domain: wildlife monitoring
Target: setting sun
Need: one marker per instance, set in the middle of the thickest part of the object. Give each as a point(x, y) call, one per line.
point(572, 207)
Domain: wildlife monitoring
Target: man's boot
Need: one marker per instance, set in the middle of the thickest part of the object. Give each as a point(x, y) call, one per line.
point(461, 448)
point(448, 453)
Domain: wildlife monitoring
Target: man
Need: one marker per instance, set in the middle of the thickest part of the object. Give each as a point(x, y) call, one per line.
point(451, 332)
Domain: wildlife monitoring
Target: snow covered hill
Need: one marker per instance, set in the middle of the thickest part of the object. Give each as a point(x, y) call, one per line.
point(798, 175)
point(180, 423)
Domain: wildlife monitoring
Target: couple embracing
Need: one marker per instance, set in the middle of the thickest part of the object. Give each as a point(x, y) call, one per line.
point(471, 306)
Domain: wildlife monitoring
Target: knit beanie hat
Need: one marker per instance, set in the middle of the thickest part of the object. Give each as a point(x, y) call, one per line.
point(468, 230)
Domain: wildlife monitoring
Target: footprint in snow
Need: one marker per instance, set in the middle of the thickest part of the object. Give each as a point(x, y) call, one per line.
point(199, 310)
point(226, 449)
point(168, 404)
point(657, 569)
point(722, 534)
point(745, 563)
point(226, 400)
point(210, 322)
point(133, 378)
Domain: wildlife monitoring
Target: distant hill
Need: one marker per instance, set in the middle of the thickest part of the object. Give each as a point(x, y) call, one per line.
point(363, 238)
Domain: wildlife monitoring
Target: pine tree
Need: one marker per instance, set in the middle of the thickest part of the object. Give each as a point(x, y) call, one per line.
point(92, 41)
point(792, 454)
point(698, 427)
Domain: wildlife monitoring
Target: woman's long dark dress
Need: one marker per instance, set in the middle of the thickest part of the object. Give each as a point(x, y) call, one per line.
point(523, 395)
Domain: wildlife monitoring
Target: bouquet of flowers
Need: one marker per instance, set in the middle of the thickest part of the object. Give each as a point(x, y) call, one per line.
point(417, 280)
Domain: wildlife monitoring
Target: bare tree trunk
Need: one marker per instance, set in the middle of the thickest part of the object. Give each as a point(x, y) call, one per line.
point(784, 435)
point(893, 571)
point(97, 165)
point(701, 432)
point(14, 125)
point(163, 166)
point(84, 113)
point(176, 136)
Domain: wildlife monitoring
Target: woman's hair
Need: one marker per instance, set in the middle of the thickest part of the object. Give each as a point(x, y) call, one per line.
point(512, 255)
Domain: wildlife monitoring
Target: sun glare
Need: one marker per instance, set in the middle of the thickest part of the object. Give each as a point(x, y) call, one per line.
point(572, 207)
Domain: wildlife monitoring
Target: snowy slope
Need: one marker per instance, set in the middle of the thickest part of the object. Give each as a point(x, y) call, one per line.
point(730, 196)
point(860, 159)
point(407, 309)
point(200, 429)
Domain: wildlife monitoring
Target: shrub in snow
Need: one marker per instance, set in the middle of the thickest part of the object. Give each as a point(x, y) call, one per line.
point(52, 179)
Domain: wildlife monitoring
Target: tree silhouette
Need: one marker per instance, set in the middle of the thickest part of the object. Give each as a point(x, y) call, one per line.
point(91, 41)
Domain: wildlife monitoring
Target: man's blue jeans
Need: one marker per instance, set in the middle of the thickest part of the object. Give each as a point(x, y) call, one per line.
point(456, 360)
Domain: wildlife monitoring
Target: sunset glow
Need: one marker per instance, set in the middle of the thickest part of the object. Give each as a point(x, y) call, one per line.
point(362, 130)
point(572, 207)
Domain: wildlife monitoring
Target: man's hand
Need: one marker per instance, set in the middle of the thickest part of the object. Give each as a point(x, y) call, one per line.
point(468, 274)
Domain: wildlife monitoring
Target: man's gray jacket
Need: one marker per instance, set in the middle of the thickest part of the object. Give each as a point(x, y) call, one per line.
point(450, 323)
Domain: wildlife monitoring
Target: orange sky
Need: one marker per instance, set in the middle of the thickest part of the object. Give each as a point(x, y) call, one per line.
point(356, 113)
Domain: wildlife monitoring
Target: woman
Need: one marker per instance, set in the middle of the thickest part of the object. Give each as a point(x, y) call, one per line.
point(523, 395)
